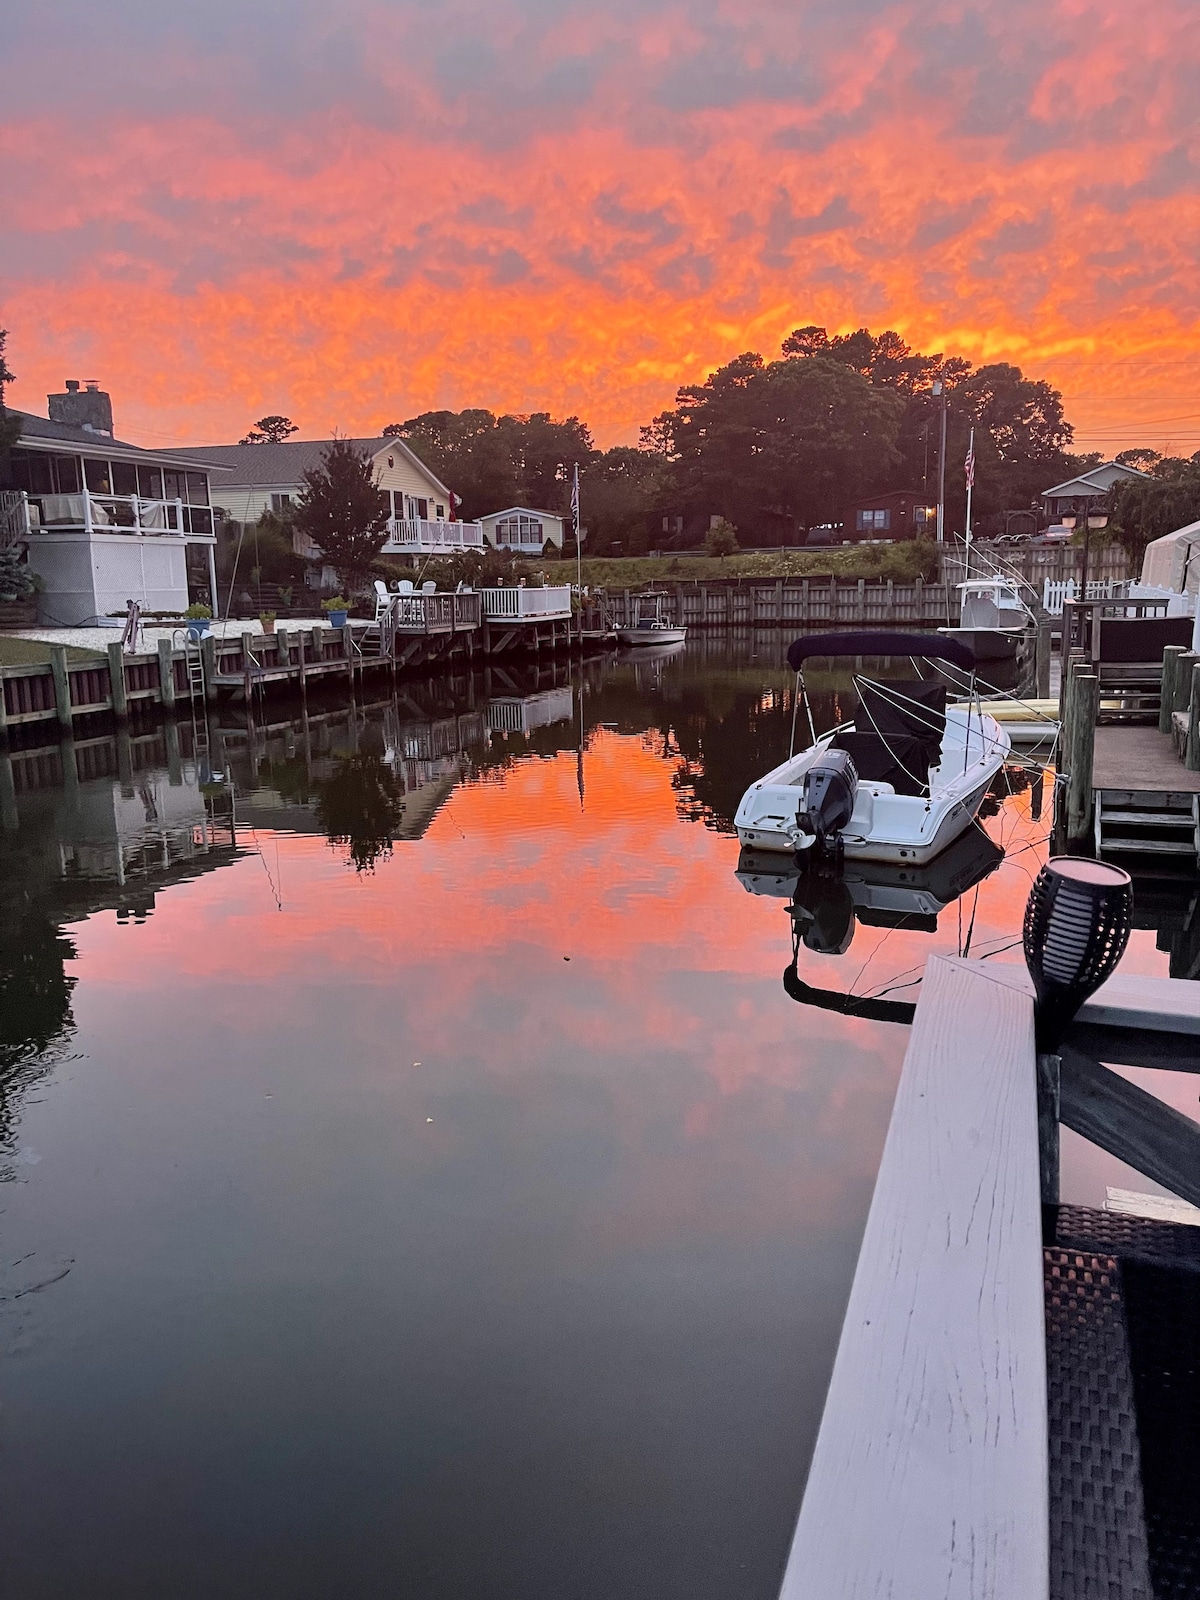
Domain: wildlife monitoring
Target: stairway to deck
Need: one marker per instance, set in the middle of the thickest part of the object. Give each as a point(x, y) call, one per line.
point(1146, 800)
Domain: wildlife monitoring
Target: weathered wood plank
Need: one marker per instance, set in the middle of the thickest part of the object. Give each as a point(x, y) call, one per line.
point(1127, 1000)
point(930, 1474)
point(1130, 1124)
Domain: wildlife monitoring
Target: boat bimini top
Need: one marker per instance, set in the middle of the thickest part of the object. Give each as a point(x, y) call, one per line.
point(931, 646)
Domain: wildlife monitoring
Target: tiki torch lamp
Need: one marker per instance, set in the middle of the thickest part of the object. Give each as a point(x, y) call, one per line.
point(1077, 925)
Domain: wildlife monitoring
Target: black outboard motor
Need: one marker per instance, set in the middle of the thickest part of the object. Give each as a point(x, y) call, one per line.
point(827, 799)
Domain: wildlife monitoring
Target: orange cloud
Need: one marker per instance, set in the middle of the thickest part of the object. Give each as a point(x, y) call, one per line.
point(582, 212)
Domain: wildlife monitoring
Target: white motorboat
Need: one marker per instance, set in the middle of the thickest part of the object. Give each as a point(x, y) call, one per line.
point(900, 782)
point(993, 619)
point(649, 626)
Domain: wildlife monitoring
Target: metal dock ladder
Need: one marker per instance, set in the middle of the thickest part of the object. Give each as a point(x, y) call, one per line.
point(193, 663)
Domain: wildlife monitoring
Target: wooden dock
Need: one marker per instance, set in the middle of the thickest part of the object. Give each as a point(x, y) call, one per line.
point(436, 631)
point(947, 1461)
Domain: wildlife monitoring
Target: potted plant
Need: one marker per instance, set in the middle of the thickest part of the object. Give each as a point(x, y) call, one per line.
point(199, 619)
point(337, 609)
point(267, 618)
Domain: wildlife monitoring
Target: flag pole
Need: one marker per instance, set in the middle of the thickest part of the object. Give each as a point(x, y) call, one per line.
point(575, 519)
point(970, 486)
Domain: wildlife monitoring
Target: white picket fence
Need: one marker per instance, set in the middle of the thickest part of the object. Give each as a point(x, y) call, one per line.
point(1056, 591)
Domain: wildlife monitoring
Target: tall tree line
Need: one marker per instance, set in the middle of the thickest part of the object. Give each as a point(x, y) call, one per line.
point(773, 447)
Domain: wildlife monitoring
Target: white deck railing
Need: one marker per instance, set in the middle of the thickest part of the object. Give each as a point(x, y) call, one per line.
point(527, 605)
point(117, 513)
point(416, 535)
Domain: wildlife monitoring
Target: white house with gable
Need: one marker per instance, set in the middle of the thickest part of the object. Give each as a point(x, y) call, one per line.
point(269, 477)
point(102, 522)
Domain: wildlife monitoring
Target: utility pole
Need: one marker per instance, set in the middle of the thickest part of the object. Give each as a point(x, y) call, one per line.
point(939, 390)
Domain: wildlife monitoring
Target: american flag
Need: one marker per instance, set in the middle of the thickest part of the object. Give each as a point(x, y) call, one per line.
point(971, 461)
point(575, 502)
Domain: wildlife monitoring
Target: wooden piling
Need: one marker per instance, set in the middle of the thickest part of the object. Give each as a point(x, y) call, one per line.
point(1084, 701)
point(1170, 676)
point(3, 713)
point(1043, 651)
point(8, 795)
point(166, 674)
point(208, 650)
point(62, 685)
point(1182, 696)
point(1048, 1068)
point(116, 680)
point(1191, 758)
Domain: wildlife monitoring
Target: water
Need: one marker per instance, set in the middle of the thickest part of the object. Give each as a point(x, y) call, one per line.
point(418, 1179)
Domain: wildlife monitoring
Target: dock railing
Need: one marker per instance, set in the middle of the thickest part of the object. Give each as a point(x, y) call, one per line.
point(527, 604)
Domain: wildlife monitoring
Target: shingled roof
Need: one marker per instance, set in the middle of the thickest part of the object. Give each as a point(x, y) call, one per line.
point(41, 428)
point(282, 466)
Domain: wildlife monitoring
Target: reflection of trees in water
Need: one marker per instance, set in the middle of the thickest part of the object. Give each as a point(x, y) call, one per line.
point(360, 806)
point(35, 1004)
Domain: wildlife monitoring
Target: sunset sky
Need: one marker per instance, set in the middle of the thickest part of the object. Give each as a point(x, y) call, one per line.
point(353, 213)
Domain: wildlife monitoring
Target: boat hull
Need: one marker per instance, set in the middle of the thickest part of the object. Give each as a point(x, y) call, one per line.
point(990, 644)
point(639, 638)
point(885, 826)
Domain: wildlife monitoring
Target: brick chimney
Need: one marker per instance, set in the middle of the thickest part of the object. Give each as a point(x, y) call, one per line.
point(91, 409)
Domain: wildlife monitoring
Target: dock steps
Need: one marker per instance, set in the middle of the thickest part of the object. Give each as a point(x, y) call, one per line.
point(1147, 824)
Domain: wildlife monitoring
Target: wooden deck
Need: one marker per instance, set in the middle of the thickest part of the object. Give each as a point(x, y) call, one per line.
point(1139, 760)
point(932, 1473)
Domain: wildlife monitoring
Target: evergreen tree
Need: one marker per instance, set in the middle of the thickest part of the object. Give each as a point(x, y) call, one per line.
point(270, 430)
point(343, 512)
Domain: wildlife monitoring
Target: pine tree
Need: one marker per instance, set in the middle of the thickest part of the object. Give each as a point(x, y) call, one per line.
point(343, 512)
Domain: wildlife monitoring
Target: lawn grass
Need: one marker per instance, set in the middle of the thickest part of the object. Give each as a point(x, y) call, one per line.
point(901, 562)
point(15, 652)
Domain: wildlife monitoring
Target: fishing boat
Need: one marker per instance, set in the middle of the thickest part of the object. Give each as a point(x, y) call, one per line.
point(649, 626)
point(994, 621)
point(900, 781)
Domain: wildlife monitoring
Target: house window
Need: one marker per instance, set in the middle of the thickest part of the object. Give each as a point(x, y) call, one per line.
point(280, 502)
point(441, 513)
point(124, 477)
point(872, 521)
point(924, 514)
point(150, 483)
point(520, 530)
point(98, 476)
point(197, 488)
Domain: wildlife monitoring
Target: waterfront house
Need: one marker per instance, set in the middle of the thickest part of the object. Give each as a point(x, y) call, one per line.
point(102, 521)
point(1086, 496)
point(269, 477)
point(893, 514)
point(521, 530)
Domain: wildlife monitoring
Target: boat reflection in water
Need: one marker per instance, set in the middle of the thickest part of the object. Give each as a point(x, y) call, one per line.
point(827, 904)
